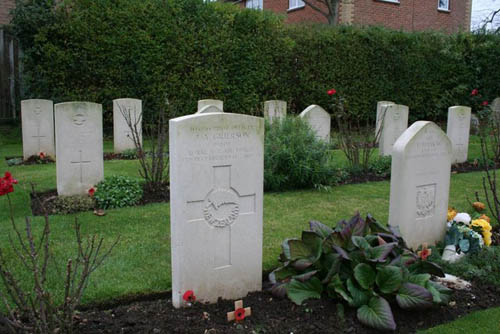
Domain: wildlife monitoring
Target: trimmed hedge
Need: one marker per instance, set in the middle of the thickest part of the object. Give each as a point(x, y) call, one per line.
point(99, 50)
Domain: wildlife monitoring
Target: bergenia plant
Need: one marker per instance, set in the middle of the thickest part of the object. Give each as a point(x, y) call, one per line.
point(361, 262)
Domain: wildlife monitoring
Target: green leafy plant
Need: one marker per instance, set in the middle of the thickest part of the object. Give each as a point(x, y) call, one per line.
point(129, 154)
point(362, 262)
point(294, 157)
point(117, 192)
point(71, 204)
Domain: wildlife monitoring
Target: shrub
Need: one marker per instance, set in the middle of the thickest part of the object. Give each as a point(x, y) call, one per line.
point(362, 262)
point(71, 204)
point(294, 157)
point(129, 154)
point(117, 192)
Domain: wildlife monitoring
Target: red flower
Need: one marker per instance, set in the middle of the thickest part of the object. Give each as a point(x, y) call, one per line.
point(91, 191)
point(474, 92)
point(485, 103)
point(424, 253)
point(6, 184)
point(41, 155)
point(331, 92)
point(189, 296)
point(239, 314)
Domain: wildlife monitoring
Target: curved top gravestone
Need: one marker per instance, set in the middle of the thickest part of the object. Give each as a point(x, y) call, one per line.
point(210, 102)
point(319, 120)
point(79, 164)
point(209, 109)
point(458, 129)
point(274, 109)
point(216, 187)
point(393, 122)
point(127, 113)
point(420, 184)
point(38, 127)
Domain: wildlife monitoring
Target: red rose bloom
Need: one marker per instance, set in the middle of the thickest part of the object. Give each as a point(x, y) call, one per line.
point(91, 192)
point(331, 92)
point(239, 314)
point(41, 155)
point(485, 103)
point(6, 184)
point(474, 92)
point(189, 296)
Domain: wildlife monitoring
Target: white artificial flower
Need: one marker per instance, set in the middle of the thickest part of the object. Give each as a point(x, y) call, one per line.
point(462, 217)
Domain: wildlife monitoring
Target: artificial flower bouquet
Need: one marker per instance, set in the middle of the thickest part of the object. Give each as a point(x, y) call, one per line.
point(468, 233)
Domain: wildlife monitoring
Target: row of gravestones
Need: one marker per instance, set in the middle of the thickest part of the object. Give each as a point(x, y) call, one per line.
point(318, 119)
point(216, 208)
point(78, 137)
point(392, 121)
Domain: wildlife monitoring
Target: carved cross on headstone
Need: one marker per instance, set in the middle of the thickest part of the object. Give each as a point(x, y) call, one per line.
point(81, 162)
point(38, 136)
point(220, 208)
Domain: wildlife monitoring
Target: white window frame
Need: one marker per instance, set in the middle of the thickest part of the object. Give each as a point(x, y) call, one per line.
point(254, 4)
point(294, 4)
point(447, 8)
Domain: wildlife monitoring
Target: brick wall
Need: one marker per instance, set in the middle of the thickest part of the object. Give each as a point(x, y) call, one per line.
point(5, 7)
point(412, 15)
point(408, 15)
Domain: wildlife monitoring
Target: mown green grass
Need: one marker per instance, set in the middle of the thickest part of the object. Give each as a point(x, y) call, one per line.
point(484, 322)
point(140, 263)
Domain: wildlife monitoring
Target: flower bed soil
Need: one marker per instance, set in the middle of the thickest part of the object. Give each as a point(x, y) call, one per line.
point(33, 160)
point(117, 156)
point(155, 314)
point(42, 202)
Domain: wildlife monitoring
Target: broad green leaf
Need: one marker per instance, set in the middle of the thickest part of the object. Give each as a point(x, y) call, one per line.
point(281, 273)
point(285, 247)
point(332, 265)
point(365, 275)
point(377, 314)
point(299, 291)
point(413, 296)
point(436, 296)
point(419, 279)
point(337, 287)
point(306, 276)
point(444, 292)
point(359, 296)
point(334, 239)
point(379, 253)
point(389, 278)
point(320, 229)
point(298, 249)
point(360, 242)
point(426, 267)
point(279, 290)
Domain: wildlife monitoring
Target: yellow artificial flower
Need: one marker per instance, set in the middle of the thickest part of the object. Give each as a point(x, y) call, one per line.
point(487, 238)
point(451, 213)
point(478, 206)
point(485, 226)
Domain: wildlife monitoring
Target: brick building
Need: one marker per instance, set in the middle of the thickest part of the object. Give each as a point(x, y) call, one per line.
point(409, 15)
point(5, 7)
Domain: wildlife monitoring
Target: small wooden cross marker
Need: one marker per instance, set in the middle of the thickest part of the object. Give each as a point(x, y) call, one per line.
point(239, 312)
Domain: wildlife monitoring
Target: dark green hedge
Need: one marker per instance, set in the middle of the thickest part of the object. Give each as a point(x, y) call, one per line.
point(99, 50)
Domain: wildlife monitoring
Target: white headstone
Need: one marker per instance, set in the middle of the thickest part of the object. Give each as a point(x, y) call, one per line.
point(458, 131)
point(125, 112)
point(420, 183)
point(209, 102)
point(381, 107)
point(474, 124)
point(216, 180)
point(495, 109)
point(274, 109)
point(38, 127)
point(319, 120)
point(79, 147)
point(393, 122)
point(209, 109)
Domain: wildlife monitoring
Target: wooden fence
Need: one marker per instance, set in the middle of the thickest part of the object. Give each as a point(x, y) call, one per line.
point(9, 76)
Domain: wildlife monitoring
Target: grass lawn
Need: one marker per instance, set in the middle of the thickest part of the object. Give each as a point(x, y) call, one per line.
point(140, 263)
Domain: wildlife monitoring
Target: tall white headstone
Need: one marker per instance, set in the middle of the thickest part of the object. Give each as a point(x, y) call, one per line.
point(210, 102)
point(216, 180)
point(420, 183)
point(381, 107)
point(127, 113)
point(38, 127)
point(393, 122)
point(79, 147)
point(209, 109)
point(495, 109)
point(459, 119)
point(274, 109)
point(319, 120)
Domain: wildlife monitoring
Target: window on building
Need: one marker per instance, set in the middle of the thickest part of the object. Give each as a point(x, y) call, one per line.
point(254, 4)
point(444, 4)
point(295, 4)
